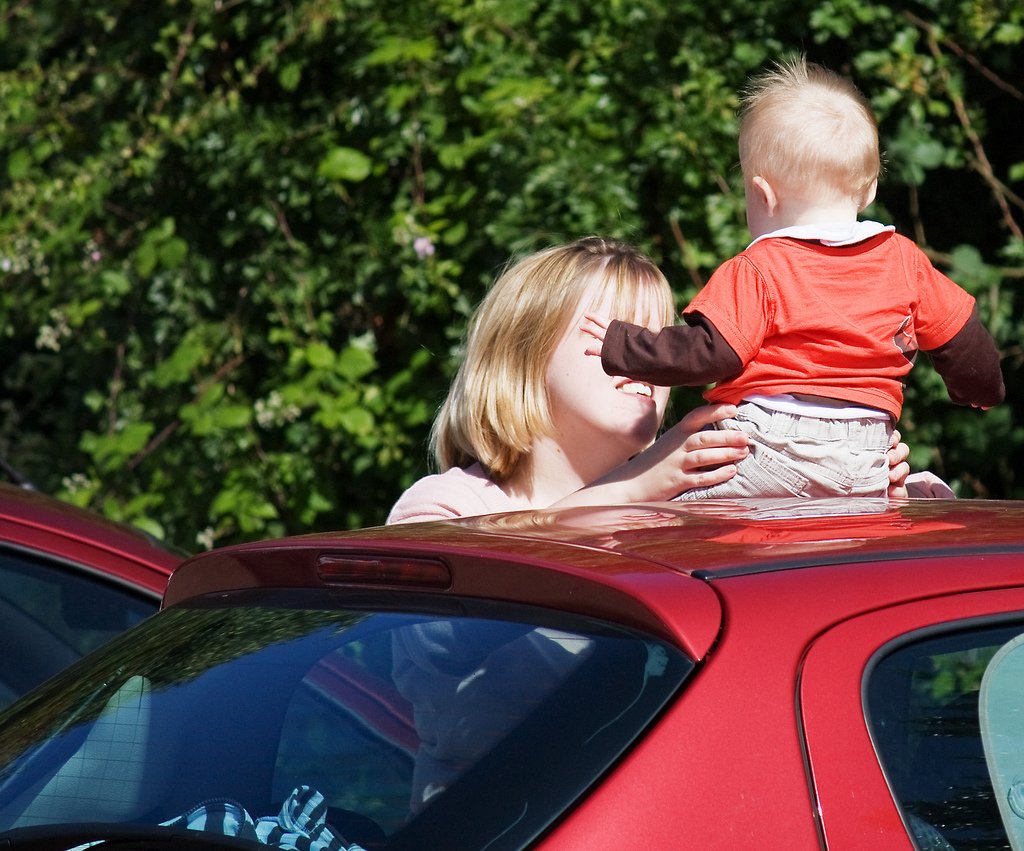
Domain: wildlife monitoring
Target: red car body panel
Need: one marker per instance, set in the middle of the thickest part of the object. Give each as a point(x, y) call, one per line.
point(852, 791)
point(725, 767)
point(780, 608)
point(41, 524)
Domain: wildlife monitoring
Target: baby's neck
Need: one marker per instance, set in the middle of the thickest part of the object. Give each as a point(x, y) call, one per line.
point(800, 212)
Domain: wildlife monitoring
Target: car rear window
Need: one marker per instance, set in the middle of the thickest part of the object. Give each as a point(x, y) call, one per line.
point(458, 725)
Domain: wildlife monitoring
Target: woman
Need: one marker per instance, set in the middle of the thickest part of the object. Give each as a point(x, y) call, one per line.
point(532, 422)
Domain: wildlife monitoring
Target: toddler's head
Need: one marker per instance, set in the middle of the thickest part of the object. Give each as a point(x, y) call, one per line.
point(810, 133)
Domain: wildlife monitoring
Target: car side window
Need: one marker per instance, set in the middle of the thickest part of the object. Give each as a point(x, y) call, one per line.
point(52, 615)
point(922, 701)
point(1001, 718)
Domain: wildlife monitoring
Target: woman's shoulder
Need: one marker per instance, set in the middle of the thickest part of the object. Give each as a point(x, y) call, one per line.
point(458, 492)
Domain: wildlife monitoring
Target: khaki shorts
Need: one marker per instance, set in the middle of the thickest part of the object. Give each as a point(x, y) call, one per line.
point(793, 455)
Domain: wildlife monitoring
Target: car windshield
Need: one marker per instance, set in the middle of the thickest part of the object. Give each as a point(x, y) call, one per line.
point(446, 724)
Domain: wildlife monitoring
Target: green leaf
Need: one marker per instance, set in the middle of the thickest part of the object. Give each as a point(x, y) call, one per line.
point(115, 284)
point(320, 356)
point(395, 49)
point(355, 362)
point(110, 451)
point(971, 271)
point(18, 164)
point(230, 417)
point(173, 252)
point(356, 421)
point(187, 356)
point(146, 258)
point(345, 164)
point(290, 76)
point(456, 233)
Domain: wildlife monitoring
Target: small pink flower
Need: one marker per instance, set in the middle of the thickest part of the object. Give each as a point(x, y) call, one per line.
point(423, 247)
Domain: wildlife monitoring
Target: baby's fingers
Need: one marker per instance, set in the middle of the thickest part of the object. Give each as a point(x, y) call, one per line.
point(589, 326)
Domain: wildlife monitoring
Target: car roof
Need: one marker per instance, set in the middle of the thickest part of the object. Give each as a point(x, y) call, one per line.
point(635, 563)
point(36, 521)
point(743, 536)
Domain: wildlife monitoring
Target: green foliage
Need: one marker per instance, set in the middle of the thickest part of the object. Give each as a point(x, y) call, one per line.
point(239, 240)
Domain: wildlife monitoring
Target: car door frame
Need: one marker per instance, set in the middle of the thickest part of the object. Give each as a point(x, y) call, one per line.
point(855, 806)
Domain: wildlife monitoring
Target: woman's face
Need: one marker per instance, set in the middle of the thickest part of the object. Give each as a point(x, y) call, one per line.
point(590, 410)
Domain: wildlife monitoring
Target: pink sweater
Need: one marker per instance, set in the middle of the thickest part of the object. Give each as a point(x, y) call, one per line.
point(455, 493)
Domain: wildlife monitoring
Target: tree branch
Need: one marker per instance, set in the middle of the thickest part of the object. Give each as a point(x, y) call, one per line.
point(187, 38)
point(169, 429)
point(982, 164)
point(969, 58)
point(10, 13)
point(677, 234)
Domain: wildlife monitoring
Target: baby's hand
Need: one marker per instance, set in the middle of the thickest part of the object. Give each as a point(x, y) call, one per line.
point(595, 325)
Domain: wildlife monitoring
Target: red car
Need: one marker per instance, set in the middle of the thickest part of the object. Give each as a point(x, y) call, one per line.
point(69, 581)
point(840, 674)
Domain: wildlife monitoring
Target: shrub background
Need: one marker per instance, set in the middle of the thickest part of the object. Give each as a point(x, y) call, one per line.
point(239, 239)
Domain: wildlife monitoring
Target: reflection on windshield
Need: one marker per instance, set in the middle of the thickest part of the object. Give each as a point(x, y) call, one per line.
point(352, 728)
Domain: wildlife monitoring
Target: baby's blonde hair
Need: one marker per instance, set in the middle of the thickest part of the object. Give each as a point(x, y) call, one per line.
point(810, 131)
point(498, 402)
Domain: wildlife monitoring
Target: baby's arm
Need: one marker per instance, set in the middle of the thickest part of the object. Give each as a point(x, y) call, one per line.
point(969, 365)
point(676, 356)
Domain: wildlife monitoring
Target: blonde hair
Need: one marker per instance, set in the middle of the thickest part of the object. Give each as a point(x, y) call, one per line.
point(810, 130)
point(498, 402)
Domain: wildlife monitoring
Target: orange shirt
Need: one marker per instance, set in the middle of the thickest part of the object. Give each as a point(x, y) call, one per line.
point(841, 322)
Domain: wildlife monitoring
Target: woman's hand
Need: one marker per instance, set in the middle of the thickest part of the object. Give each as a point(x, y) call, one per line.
point(899, 469)
point(684, 457)
point(704, 456)
point(903, 483)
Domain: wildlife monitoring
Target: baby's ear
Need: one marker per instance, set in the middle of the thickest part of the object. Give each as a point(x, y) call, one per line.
point(869, 195)
point(765, 194)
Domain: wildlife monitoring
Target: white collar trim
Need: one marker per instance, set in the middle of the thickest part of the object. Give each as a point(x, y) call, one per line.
point(831, 235)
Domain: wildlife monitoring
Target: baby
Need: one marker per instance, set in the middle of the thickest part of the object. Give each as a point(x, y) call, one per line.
point(812, 329)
